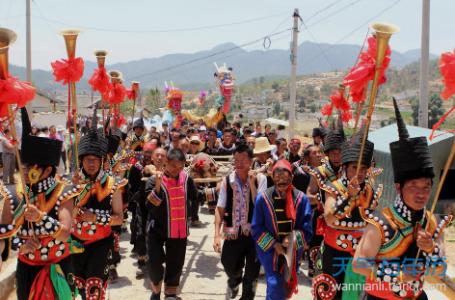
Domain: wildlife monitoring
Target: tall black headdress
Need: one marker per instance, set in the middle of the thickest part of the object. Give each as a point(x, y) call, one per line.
point(94, 142)
point(350, 151)
point(411, 157)
point(38, 150)
point(113, 135)
point(139, 123)
point(335, 138)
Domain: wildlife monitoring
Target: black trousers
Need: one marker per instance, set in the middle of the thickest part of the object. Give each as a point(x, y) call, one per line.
point(236, 256)
point(195, 201)
point(91, 267)
point(334, 263)
point(25, 275)
point(315, 242)
point(114, 257)
point(171, 252)
point(141, 226)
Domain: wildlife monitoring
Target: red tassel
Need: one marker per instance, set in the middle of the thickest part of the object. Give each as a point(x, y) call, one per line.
point(326, 109)
point(42, 288)
point(117, 93)
point(439, 123)
point(3, 111)
point(68, 70)
point(447, 69)
point(339, 101)
point(290, 208)
point(14, 91)
point(121, 120)
point(360, 75)
point(346, 116)
point(99, 80)
point(131, 94)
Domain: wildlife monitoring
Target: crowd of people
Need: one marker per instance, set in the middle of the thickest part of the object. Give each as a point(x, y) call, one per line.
point(278, 203)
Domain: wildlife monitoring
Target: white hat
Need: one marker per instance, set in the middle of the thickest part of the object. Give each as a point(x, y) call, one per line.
point(262, 145)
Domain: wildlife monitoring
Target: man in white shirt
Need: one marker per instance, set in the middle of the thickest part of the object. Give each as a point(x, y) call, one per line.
point(235, 210)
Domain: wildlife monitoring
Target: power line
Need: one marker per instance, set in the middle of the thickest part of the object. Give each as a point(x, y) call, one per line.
point(312, 59)
point(228, 56)
point(318, 45)
point(205, 27)
point(323, 9)
point(350, 4)
point(210, 55)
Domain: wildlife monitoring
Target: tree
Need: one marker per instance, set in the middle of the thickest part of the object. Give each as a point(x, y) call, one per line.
point(415, 110)
point(152, 101)
point(435, 110)
point(276, 109)
point(313, 108)
point(310, 91)
point(301, 102)
point(275, 86)
point(326, 89)
point(261, 80)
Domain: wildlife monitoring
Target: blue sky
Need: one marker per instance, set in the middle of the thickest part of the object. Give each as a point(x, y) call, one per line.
point(124, 28)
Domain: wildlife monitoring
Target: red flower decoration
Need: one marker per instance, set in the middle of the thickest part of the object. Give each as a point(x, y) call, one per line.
point(326, 109)
point(346, 116)
point(116, 93)
point(99, 80)
point(339, 101)
point(447, 68)
point(131, 94)
point(3, 110)
point(14, 91)
point(68, 70)
point(359, 76)
point(120, 120)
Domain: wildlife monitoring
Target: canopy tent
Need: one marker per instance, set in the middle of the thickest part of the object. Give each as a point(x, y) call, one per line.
point(277, 122)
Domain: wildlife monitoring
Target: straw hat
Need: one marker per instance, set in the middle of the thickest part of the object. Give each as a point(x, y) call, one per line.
point(196, 139)
point(262, 145)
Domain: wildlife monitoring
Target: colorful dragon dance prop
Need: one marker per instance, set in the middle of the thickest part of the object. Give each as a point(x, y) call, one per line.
point(173, 113)
point(225, 80)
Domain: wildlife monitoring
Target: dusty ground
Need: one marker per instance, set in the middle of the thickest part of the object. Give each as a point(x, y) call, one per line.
point(450, 245)
point(203, 275)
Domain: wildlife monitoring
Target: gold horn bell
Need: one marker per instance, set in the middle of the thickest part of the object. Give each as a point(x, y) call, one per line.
point(70, 36)
point(7, 37)
point(116, 76)
point(100, 57)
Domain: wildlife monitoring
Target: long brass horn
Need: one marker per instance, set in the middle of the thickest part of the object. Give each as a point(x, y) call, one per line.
point(116, 76)
point(382, 32)
point(70, 37)
point(135, 87)
point(7, 38)
point(100, 57)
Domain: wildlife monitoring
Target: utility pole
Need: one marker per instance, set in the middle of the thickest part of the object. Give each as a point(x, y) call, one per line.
point(292, 83)
point(424, 64)
point(28, 50)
